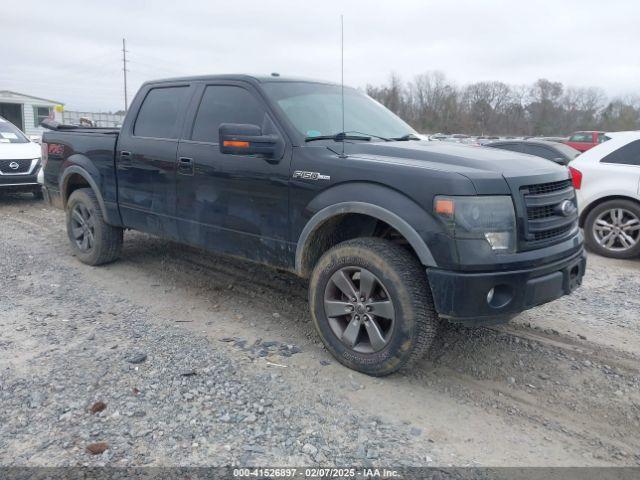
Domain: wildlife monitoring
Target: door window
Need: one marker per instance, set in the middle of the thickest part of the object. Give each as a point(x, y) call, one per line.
point(159, 114)
point(225, 104)
point(508, 146)
point(582, 138)
point(627, 155)
point(539, 151)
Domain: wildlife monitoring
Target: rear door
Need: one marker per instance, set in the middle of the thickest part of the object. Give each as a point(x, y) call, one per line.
point(146, 158)
point(236, 204)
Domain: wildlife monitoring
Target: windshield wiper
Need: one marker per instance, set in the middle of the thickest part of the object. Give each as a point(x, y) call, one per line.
point(339, 137)
point(408, 136)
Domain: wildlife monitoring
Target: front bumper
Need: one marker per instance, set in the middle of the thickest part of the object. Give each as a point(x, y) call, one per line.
point(489, 298)
point(19, 183)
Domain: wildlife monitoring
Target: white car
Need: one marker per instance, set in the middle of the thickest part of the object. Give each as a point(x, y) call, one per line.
point(19, 161)
point(607, 182)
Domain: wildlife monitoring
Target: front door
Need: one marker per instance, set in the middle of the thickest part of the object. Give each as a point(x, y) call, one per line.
point(236, 204)
point(146, 158)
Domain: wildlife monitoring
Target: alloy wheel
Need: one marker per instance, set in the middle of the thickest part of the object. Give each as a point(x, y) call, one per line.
point(359, 309)
point(83, 227)
point(617, 229)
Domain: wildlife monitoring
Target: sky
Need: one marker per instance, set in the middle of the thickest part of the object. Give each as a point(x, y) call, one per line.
point(71, 51)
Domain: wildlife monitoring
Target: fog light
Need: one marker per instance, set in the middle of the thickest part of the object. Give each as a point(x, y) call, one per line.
point(499, 240)
point(499, 296)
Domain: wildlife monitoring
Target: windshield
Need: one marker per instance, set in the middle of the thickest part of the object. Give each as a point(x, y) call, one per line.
point(315, 110)
point(9, 133)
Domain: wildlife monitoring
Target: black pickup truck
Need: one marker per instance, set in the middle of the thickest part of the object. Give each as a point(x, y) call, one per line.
point(393, 232)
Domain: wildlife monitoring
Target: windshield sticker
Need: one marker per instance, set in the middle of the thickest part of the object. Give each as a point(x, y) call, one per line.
point(9, 135)
point(313, 133)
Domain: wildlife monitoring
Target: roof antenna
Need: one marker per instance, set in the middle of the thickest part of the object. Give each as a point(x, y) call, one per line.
point(342, 155)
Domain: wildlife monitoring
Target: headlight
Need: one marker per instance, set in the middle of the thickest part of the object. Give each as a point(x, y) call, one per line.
point(489, 218)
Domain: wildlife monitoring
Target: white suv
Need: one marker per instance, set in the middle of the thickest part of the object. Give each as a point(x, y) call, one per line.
point(607, 181)
point(19, 161)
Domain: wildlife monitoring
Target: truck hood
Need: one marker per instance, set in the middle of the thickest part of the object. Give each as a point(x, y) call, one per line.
point(19, 151)
point(489, 169)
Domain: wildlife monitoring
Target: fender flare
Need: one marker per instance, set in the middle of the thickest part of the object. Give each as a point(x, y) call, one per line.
point(407, 231)
point(76, 169)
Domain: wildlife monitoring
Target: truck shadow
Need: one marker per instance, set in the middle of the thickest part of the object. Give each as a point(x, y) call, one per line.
point(240, 282)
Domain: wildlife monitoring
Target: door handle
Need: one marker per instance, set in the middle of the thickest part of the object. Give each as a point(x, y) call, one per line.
point(125, 157)
point(185, 165)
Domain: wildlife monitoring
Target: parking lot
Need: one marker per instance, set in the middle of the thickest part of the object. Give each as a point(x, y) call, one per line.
point(199, 359)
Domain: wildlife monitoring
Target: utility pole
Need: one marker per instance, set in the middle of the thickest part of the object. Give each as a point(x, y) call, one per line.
point(124, 71)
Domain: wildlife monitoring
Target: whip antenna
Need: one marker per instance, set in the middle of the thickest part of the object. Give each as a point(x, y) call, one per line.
point(342, 78)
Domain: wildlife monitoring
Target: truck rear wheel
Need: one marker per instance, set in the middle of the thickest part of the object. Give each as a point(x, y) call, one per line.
point(93, 241)
point(371, 304)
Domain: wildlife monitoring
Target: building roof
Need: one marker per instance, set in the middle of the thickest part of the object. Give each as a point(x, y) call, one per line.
point(23, 95)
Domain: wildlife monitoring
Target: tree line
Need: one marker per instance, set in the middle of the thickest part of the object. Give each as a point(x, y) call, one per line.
point(431, 103)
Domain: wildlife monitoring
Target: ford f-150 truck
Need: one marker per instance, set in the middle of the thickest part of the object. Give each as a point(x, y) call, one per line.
point(393, 233)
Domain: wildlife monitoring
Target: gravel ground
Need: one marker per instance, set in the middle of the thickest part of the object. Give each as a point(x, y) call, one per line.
point(172, 356)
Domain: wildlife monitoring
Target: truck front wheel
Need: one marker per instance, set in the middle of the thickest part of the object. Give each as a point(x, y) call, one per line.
point(371, 304)
point(93, 241)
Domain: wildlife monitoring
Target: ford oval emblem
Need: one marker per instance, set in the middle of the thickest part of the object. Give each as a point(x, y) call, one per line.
point(566, 208)
point(14, 165)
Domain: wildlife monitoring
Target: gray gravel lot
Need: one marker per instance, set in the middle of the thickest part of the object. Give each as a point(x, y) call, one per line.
point(203, 360)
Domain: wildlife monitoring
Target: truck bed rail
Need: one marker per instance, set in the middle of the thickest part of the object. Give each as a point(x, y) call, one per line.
point(57, 126)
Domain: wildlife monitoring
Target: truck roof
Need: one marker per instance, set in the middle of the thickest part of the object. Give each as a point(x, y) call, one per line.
point(241, 77)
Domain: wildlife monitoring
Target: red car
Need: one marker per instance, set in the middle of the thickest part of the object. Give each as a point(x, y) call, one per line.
point(583, 141)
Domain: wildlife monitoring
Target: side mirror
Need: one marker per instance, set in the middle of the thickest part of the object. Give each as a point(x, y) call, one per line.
point(244, 139)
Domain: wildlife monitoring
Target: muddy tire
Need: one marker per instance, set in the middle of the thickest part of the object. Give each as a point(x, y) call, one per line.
point(93, 241)
point(372, 306)
point(612, 229)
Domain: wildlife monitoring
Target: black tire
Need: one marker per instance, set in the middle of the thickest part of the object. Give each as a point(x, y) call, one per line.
point(104, 242)
point(632, 208)
point(400, 279)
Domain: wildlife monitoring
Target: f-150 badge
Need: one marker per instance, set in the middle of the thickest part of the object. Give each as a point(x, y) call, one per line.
point(310, 175)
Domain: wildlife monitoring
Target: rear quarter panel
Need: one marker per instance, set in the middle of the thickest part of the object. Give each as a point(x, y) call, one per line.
point(601, 180)
point(93, 153)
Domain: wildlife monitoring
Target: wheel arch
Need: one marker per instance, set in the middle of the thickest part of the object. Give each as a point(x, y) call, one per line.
point(593, 204)
point(310, 245)
point(76, 176)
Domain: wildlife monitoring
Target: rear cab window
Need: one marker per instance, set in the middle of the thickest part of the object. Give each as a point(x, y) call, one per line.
point(9, 133)
point(159, 113)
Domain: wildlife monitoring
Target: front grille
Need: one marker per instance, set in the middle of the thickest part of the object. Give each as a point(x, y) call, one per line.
point(553, 233)
point(542, 188)
point(7, 169)
point(540, 212)
point(546, 222)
